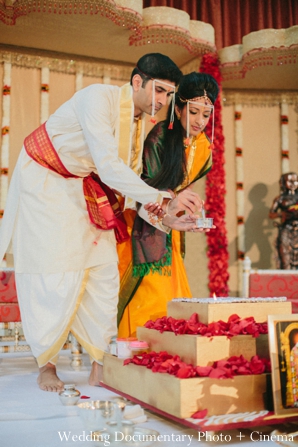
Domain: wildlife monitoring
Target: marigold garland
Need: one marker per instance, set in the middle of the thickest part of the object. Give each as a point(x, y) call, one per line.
point(215, 193)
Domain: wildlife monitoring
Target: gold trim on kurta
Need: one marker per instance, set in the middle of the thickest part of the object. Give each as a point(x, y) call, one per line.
point(125, 123)
point(53, 351)
point(125, 135)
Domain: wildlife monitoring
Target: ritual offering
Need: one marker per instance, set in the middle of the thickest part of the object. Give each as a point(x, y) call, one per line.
point(204, 360)
point(69, 396)
point(182, 397)
point(204, 222)
point(96, 414)
point(199, 350)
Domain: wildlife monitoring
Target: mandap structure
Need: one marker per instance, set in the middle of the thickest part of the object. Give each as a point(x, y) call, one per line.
point(50, 49)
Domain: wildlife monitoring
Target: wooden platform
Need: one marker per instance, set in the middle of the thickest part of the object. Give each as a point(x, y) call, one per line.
point(217, 423)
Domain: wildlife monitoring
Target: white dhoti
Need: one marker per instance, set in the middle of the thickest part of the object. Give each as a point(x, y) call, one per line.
point(52, 305)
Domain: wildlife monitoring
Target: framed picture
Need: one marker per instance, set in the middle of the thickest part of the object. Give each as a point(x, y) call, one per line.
point(283, 345)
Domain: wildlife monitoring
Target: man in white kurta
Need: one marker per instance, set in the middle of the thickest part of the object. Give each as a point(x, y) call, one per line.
point(66, 267)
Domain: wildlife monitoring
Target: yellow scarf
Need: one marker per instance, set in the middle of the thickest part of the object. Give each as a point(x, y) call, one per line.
point(125, 135)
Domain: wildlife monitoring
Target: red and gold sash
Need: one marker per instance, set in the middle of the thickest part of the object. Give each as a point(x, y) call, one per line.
point(102, 204)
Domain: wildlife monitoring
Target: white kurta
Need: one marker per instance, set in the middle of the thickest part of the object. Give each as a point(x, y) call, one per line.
point(54, 241)
point(52, 231)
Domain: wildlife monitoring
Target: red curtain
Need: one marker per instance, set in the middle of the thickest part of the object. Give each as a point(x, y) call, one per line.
point(233, 19)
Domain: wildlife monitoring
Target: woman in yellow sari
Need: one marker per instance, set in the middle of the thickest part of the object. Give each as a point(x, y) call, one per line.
point(175, 156)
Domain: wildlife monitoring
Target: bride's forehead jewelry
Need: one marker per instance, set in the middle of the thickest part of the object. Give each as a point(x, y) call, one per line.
point(173, 88)
point(203, 101)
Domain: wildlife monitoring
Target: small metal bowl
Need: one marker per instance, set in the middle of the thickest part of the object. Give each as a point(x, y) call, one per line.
point(69, 396)
point(96, 414)
point(204, 222)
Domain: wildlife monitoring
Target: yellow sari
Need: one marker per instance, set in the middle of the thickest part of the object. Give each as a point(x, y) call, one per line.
point(152, 293)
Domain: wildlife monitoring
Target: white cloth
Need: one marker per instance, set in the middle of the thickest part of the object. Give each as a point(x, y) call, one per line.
point(47, 315)
point(134, 413)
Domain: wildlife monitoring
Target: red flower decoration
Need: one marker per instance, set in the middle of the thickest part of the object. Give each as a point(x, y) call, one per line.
point(215, 192)
point(203, 371)
point(234, 326)
point(165, 363)
point(200, 414)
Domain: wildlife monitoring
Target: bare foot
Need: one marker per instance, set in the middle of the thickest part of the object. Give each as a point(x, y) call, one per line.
point(48, 379)
point(96, 374)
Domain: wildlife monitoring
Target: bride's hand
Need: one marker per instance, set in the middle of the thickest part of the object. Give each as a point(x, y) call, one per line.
point(183, 223)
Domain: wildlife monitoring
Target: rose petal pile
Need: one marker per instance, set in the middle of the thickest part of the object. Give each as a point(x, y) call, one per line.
point(163, 362)
point(234, 326)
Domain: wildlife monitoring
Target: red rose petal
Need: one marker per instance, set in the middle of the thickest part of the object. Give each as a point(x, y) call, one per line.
point(203, 371)
point(200, 414)
point(185, 371)
point(234, 326)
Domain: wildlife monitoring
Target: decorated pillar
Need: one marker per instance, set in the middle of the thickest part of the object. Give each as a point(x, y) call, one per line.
point(106, 79)
point(239, 192)
point(44, 94)
point(284, 123)
point(79, 80)
point(5, 134)
point(4, 167)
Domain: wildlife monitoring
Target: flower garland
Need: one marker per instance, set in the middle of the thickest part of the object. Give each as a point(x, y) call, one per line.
point(215, 194)
point(234, 326)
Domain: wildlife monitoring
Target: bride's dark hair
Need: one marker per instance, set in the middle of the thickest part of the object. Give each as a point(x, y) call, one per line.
point(173, 160)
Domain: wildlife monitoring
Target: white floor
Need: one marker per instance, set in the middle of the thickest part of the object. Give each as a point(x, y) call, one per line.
point(30, 417)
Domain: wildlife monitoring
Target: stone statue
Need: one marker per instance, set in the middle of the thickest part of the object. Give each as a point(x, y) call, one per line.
point(285, 208)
